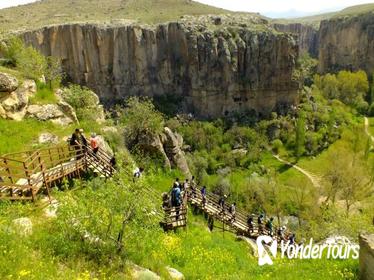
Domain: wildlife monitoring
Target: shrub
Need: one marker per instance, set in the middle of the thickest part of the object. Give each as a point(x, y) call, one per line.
point(83, 100)
point(140, 118)
point(371, 110)
point(277, 145)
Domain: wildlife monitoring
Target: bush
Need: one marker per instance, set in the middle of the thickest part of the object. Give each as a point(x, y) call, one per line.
point(371, 110)
point(140, 119)
point(83, 100)
point(277, 145)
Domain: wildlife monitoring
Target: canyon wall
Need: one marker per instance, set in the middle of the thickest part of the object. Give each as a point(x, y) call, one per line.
point(306, 36)
point(216, 71)
point(347, 43)
point(340, 43)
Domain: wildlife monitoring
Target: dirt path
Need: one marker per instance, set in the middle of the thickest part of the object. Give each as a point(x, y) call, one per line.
point(367, 129)
point(314, 179)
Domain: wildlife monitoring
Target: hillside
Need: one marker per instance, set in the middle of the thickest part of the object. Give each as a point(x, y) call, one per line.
point(316, 19)
point(47, 12)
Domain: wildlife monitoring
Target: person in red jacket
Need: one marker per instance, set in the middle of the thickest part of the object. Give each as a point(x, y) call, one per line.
point(94, 143)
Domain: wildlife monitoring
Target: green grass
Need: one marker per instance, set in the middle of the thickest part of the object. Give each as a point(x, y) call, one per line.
point(47, 12)
point(23, 135)
point(371, 126)
point(44, 95)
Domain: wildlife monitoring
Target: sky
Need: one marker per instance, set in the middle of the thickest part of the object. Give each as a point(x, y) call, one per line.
point(270, 8)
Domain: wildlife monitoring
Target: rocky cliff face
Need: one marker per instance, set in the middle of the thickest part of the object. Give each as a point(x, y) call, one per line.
point(306, 36)
point(340, 43)
point(367, 257)
point(347, 43)
point(216, 70)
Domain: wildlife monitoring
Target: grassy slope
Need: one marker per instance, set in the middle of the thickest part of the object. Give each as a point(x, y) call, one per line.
point(316, 19)
point(146, 11)
point(196, 252)
point(371, 127)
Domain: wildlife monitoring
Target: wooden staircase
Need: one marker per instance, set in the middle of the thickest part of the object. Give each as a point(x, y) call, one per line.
point(23, 175)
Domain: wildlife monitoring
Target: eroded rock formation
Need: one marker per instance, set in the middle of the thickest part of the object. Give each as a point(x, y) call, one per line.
point(306, 36)
point(347, 43)
point(215, 68)
point(341, 43)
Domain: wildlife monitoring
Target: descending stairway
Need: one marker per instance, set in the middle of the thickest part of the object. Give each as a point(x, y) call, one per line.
point(238, 223)
point(24, 174)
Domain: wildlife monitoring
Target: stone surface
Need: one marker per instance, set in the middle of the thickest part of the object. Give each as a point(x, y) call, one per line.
point(174, 274)
point(347, 43)
point(47, 112)
point(251, 243)
point(172, 144)
point(305, 35)
point(140, 273)
point(366, 257)
point(104, 145)
point(68, 110)
point(339, 43)
point(22, 226)
point(13, 105)
point(47, 138)
point(214, 71)
point(8, 83)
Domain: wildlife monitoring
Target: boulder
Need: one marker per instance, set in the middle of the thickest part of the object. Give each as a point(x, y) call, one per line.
point(366, 256)
point(22, 226)
point(251, 243)
point(14, 103)
point(47, 138)
point(47, 112)
point(141, 273)
point(174, 274)
point(153, 144)
point(173, 149)
point(68, 110)
point(8, 83)
point(104, 145)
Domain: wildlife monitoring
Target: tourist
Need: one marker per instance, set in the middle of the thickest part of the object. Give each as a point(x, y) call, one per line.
point(221, 203)
point(269, 226)
point(250, 224)
point(233, 212)
point(260, 221)
point(203, 195)
point(82, 138)
point(93, 143)
point(137, 172)
point(176, 199)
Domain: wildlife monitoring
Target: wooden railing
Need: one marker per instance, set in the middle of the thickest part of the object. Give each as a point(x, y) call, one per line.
point(238, 222)
point(23, 174)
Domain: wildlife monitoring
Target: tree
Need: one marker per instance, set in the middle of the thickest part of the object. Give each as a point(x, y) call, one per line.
point(141, 119)
point(300, 136)
point(10, 49)
point(31, 63)
point(53, 71)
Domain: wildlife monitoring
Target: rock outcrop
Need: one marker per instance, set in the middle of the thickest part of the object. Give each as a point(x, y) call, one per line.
point(347, 43)
point(214, 66)
point(366, 257)
point(8, 83)
point(14, 101)
point(168, 146)
point(48, 112)
point(306, 36)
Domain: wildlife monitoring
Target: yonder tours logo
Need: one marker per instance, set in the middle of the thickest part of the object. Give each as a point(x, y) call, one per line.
point(268, 250)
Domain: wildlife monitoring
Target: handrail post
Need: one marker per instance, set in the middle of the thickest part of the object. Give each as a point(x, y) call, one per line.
point(42, 170)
